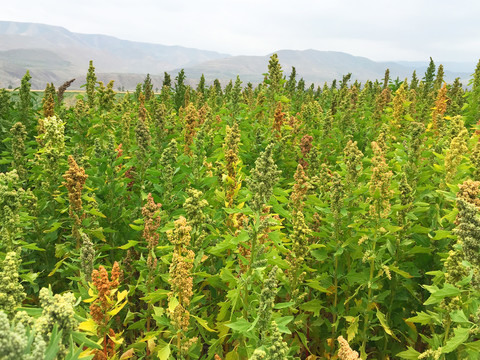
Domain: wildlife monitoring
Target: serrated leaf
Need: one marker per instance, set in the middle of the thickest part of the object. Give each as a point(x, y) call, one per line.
point(282, 324)
point(95, 212)
point(421, 318)
point(475, 345)
point(442, 234)
point(121, 295)
point(172, 304)
point(117, 309)
point(410, 354)
point(32, 246)
point(164, 352)
point(241, 325)
point(129, 244)
point(81, 338)
point(461, 335)
point(383, 322)
point(313, 306)
point(439, 294)
point(203, 322)
point(284, 305)
point(98, 233)
point(55, 226)
point(400, 272)
point(57, 266)
point(352, 329)
point(458, 316)
point(89, 326)
point(232, 355)
point(136, 227)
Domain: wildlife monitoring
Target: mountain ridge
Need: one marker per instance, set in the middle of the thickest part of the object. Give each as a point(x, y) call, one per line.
point(55, 54)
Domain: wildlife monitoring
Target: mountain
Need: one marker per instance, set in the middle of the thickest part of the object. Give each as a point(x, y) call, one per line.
point(312, 65)
point(54, 54)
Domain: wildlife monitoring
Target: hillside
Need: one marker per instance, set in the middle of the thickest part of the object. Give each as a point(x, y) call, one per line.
point(54, 54)
point(312, 65)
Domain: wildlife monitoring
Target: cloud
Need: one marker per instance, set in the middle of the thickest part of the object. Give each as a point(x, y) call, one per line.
point(378, 29)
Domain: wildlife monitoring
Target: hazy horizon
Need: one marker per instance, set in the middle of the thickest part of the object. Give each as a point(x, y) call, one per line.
point(376, 29)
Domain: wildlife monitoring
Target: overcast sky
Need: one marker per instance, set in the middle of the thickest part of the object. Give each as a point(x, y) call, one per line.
point(447, 30)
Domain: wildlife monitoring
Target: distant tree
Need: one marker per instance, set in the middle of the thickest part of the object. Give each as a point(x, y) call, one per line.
point(201, 85)
point(138, 91)
point(228, 90)
point(235, 98)
point(274, 74)
point(167, 80)
point(218, 87)
point(428, 78)
point(25, 100)
point(334, 84)
point(345, 80)
point(292, 81)
point(179, 97)
point(414, 82)
point(91, 83)
point(147, 88)
point(439, 79)
point(301, 85)
point(386, 79)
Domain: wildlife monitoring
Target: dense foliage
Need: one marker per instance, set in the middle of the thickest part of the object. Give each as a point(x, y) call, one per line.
point(268, 222)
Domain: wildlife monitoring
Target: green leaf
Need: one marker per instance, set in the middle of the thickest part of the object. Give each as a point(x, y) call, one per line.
point(95, 212)
point(241, 326)
point(32, 246)
point(156, 296)
point(55, 226)
point(129, 244)
point(316, 285)
point(410, 354)
point(419, 229)
point(421, 318)
point(284, 305)
point(172, 304)
point(461, 335)
point(400, 272)
point(458, 316)
point(136, 227)
point(313, 306)
point(98, 233)
point(82, 339)
point(164, 352)
point(352, 328)
point(475, 345)
point(203, 322)
point(57, 266)
point(54, 344)
point(442, 234)
point(140, 324)
point(383, 322)
point(282, 324)
point(438, 295)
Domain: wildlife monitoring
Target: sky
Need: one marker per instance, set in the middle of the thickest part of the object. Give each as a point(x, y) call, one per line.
point(382, 30)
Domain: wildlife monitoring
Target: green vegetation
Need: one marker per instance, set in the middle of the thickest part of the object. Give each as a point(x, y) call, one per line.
point(272, 222)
